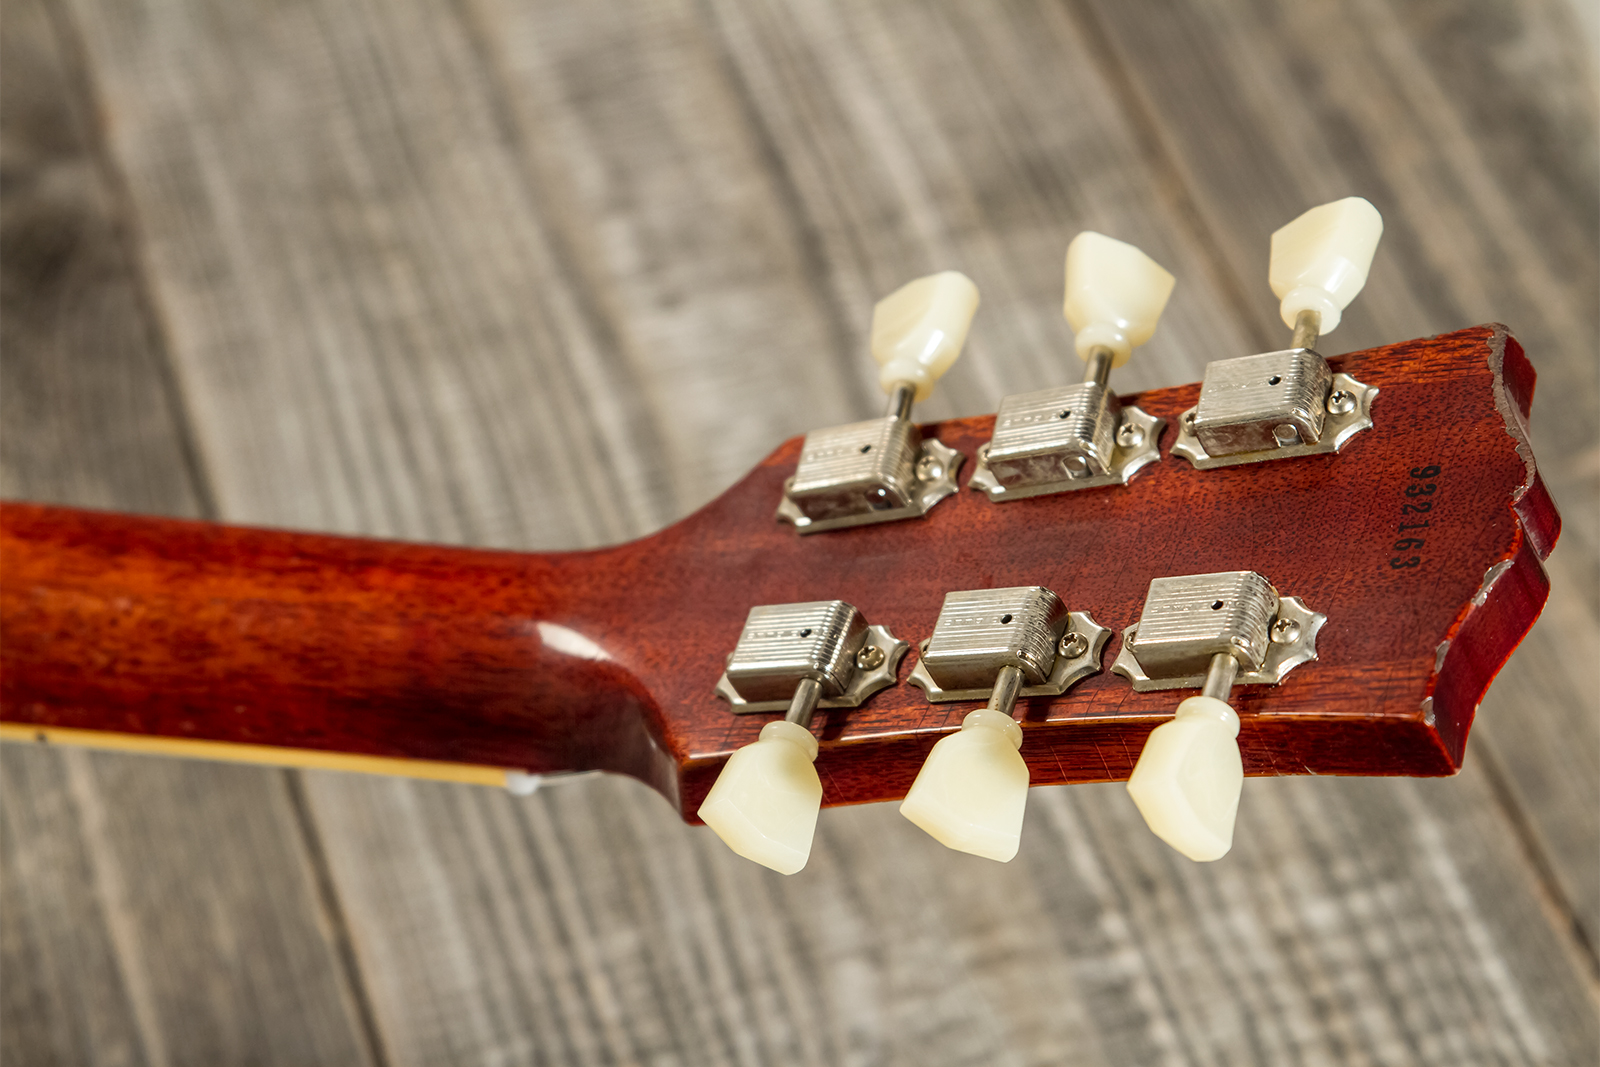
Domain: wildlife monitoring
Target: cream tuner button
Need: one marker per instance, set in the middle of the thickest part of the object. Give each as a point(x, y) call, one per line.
point(1115, 295)
point(918, 330)
point(1188, 778)
point(764, 804)
point(973, 790)
point(1320, 260)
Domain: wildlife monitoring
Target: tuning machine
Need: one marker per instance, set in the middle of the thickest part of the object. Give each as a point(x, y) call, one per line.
point(882, 469)
point(796, 657)
point(1211, 632)
point(1001, 644)
point(1278, 405)
point(1079, 436)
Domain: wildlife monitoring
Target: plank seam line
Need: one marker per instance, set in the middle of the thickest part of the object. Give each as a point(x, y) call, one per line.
point(333, 914)
point(130, 234)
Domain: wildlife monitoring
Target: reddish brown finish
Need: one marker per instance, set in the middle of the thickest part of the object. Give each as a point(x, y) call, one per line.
point(607, 659)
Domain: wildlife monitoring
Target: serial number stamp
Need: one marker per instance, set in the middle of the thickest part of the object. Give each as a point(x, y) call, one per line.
point(1415, 517)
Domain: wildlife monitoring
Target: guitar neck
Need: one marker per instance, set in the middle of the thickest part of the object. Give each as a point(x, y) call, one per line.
point(288, 648)
point(311, 650)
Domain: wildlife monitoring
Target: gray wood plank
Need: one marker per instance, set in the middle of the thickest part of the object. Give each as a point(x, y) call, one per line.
point(86, 412)
point(491, 273)
point(1473, 128)
point(154, 912)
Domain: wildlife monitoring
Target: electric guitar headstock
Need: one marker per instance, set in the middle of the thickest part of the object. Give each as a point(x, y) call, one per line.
point(1302, 565)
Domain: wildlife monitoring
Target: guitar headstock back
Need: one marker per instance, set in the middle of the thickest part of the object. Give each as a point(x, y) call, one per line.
point(1421, 542)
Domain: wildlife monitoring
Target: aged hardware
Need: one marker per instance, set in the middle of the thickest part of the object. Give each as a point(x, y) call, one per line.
point(764, 804)
point(1212, 632)
point(1078, 436)
point(972, 791)
point(874, 471)
point(982, 632)
point(881, 470)
point(1187, 621)
point(1278, 405)
point(826, 642)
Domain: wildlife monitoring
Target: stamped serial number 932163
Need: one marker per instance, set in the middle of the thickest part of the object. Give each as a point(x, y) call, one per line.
point(1415, 516)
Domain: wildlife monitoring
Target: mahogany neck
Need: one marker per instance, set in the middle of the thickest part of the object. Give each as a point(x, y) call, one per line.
point(458, 658)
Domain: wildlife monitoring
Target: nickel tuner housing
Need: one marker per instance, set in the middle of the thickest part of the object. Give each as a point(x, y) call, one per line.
point(1279, 405)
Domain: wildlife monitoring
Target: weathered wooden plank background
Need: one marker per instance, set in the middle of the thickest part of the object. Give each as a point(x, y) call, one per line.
point(546, 275)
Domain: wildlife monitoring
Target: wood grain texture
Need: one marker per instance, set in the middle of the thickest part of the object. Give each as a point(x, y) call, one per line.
point(151, 912)
point(443, 273)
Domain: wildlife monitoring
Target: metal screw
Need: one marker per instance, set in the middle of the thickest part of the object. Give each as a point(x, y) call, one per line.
point(869, 658)
point(1341, 402)
point(1188, 420)
point(1129, 435)
point(1286, 434)
point(1285, 632)
point(1073, 644)
point(928, 469)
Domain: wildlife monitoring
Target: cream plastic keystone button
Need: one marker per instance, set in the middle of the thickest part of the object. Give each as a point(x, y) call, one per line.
point(764, 804)
point(973, 790)
point(1187, 781)
point(1115, 295)
point(1320, 260)
point(918, 330)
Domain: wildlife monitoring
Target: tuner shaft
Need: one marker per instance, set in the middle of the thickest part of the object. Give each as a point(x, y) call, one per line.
point(804, 703)
point(901, 397)
point(1007, 685)
point(1097, 368)
point(1219, 676)
point(1307, 325)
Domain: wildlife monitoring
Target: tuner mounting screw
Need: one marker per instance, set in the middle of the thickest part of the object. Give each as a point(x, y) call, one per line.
point(1130, 435)
point(1285, 632)
point(1073, 644)
point(928, 469)
point(869, 658)
point(1341, 402)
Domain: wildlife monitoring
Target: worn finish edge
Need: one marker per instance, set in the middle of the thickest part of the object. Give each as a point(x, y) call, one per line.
point(1514, 591)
